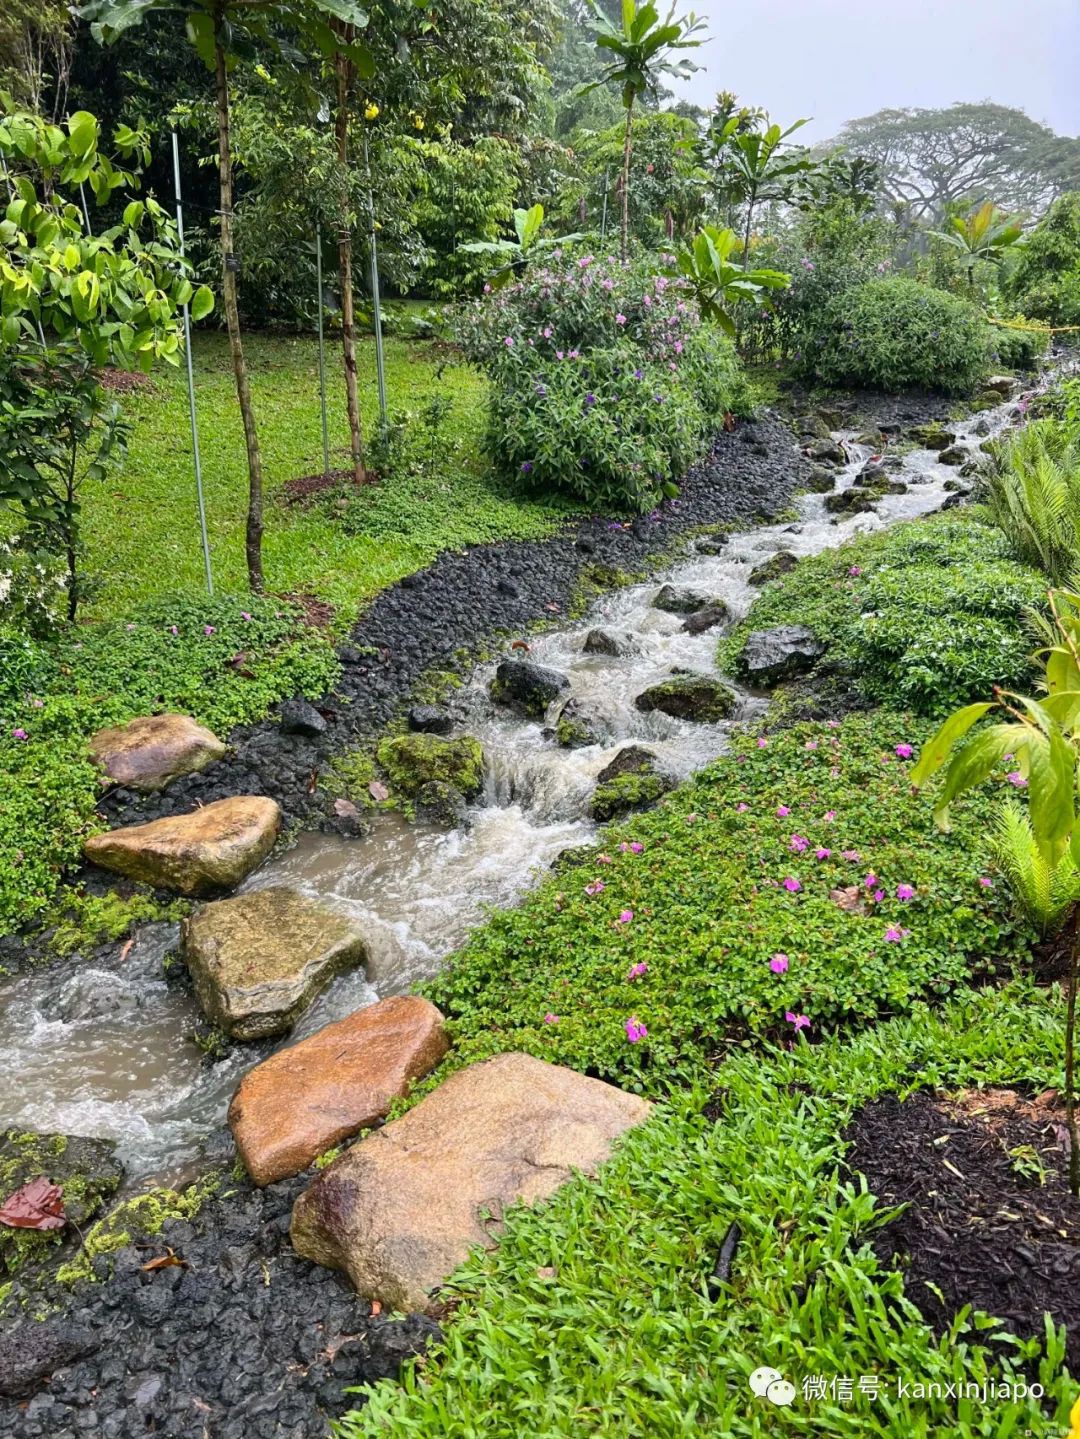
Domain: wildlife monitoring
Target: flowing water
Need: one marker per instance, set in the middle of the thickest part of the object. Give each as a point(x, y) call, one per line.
point(106, 1050)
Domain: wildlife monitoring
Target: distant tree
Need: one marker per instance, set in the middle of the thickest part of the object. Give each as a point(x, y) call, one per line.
point(35, 54)
point(965, 154)
point(752, 164)
point(1046, 283)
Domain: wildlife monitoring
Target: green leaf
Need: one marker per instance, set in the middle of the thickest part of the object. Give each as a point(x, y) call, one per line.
point(977, 760)
point(937, 751)
point(202, 303)
point(83, 129)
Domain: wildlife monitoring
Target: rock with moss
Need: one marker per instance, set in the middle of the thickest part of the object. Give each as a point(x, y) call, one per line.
point(828, 450)
point(528, 688)
point(678, 601)
point(782, 563)
point(86, 1170)
point(607, 642)
point(932, 437)
point(577, 727)
point(852, 501)
point(820, 481)
point(716, 613)
point(711, 544)
point(811, 427)
point(631, 781)
point(689, 697)
point(139, 1217)
point(411, 761)
point(955, 455)
point(440, 804)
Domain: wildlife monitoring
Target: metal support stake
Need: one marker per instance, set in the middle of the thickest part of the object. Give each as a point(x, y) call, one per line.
point(322, 351)
point(603, 214)
point(380, 367)
point(191, 378)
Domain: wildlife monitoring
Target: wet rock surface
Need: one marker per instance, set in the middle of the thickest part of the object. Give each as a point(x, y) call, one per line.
point(528, 688)
point(689, 697)
point(146, 753)
point(770, 656)
point(242, 1340)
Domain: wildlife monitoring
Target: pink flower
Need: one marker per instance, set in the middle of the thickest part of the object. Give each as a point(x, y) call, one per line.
point(762, 742)
point(19, 734)
point(798, 842)
point(1016, 778)
point(558, 354)
point(829, 814)
point(244, 615)
point(850, 854)
point(636, 846)
point(782, 811)
point(904, 751)
point(879, 895)
point(894, 934)
point(779, 963)
point(635, 1030)
point(985, 883)
point(596, 887)
point(508, 341)
point(637, 971)
point(620, 319)
point(810, 744)
point(791, 884)
point(547, 332)
point(854, 571)
point(905, 891)
point(800, 1021)
point(822, 853)
point(208, 629)
point(625, 917)
point(871, 880)
point(173, 630)
point(550, 1018)
point(741, 808)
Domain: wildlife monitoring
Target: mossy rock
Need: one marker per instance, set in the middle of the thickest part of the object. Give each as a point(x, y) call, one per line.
point(576, 728)
point(412, 761)
point(631, 781)
point(820, 481)
point(851, 501)
point(932, 437)
point(782, 563)
point(528, 688)
point(139, 1217)
point(689, 697)
point(87, 1171)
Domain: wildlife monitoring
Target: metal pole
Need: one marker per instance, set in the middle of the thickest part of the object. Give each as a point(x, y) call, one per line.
point(380, 369)
point(191, 378)
point(322, 351)
point(85, 208)
point(603, 215)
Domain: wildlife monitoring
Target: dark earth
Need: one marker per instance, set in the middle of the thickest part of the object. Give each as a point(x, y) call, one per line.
point(990, 1220)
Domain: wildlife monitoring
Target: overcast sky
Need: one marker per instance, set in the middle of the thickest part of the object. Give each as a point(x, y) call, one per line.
point(839, 59)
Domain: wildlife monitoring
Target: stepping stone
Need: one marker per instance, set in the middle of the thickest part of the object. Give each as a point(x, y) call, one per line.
point(301, 1101)
point(527, 687)
point(200, 853)
point(145, 754)
point(770, 656)
point(403, 1208)
point(258, 960)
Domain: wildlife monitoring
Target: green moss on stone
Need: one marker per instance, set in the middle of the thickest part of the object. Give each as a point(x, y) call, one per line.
point(627, 792)
point(88, 920)
point(143, 1214)
point(414, 760)
point(689, 697)
point(85, 1170)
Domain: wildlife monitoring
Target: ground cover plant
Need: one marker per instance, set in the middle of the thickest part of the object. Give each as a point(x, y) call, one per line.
point(795, 885)
point(600, 1312)
point(925, 615)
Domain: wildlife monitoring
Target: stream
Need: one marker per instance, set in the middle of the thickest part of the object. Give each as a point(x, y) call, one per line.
point(105, 1049)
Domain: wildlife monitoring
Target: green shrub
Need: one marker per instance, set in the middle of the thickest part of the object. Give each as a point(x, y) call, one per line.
point(895, 334)
point(1046, 281)
point(1034, 497)
point(1017, 349)
point(925, 616)
point(605, 386)
point(708, 910)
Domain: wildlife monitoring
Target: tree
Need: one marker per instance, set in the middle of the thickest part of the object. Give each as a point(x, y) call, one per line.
point(344, 69)
point(515, 254)
point(752, 164)
point(1041, 740)
point(985, 236)
point(70, 303)
point(35, 54)
point(641, 49)
point(962, 155)
point(718, 284)
point(215, 28)
point(1046, 283)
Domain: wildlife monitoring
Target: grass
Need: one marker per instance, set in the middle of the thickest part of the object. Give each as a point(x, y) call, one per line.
point(594, 1315)
point(926, 615)
point(561, 975)
point(141, 526)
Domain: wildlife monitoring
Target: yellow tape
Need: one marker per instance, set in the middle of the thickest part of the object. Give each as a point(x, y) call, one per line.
point(1027, 325)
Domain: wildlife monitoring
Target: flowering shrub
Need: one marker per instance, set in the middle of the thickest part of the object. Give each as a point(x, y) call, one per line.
point(894, 333)
point(604, 382)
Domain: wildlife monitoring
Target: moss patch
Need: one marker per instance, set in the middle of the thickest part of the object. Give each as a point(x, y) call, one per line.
point(414, 760)
point(134, 1218)
point(628, 792)
point(86, 1172)
point(89, 920)
point(689, 697)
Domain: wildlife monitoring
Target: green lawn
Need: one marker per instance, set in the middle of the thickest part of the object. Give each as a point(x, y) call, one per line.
point(141, 525)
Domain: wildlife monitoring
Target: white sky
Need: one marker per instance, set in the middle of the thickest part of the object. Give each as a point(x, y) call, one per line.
point(835, 60)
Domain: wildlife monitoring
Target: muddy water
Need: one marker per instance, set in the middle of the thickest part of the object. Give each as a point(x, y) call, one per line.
point(107, 1050)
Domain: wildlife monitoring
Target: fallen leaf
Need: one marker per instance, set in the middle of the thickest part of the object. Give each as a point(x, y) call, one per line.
point(520, 645)
point(126, 950)
point(37, 1205)
point(850, 898)
point(729, 421)
point(551, 605)
point(165, 1261)
point(346, 809)
point(378, 791)
point(313, 781)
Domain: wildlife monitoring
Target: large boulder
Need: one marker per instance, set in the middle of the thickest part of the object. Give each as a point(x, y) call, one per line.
point(828, 450)
point(629, 782)
point(782, 563)
point(678, 601)
point(578, 727)
point(402, 1209)
point(606, 642)
point(933, 436)
point(955, 455)
point(1003, 386)
point(209, 850)
point(259, 959)
point(302, 1100)
point(412, 761)
point(770, 656)
point(820, 480)
point(527, 687)
point(689, 697)
point(146, 753)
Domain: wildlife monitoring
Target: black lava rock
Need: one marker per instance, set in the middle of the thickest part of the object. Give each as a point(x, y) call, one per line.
point(770, 656)
point(30, 1352)
point(299, 717)
point(527, 687)
point(430, 719)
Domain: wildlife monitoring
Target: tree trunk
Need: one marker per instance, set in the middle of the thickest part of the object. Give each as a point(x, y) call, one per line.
point(71, 552)
point(253, 545)
point(1070, 1056)
point(751, 200)
point(626, 150)
point(343, 67)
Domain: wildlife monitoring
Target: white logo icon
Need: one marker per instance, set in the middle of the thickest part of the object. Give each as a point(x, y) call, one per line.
point(770, 1384)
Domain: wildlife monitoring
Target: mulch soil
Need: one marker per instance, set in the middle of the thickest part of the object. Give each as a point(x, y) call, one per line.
point(989, 1220)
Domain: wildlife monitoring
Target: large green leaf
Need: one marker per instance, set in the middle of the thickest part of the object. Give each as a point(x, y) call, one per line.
point(937, 751)
point(977, 760)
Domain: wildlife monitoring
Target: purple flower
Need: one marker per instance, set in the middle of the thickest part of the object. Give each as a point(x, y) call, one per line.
point(638, 374)
point(596, 887)
point(541, 390)
point(762, 742)
point(894, 934)
point(590, 399)
point(798, 842)
point(244, 615)
point(779, 963)
point(620, 319)
point(1016, 778)
point(782, 811)
point(603, 859)
point(635, 1030)
point(791, 884)
point(636, 846)
point(810, 744)
point(508, 341)
point(800, 1021)
point(637, 971)
point(985, 882)
point(878, 896)
point(904, 751)
point(208, 629)
point(741, 808)
point(625, 917)
point(19, 734)
point(526, 466)
point(829, 814)
point(173, 630)
point(854, 571)
point(850, 854)
point(905, 891)
point(822, 853)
